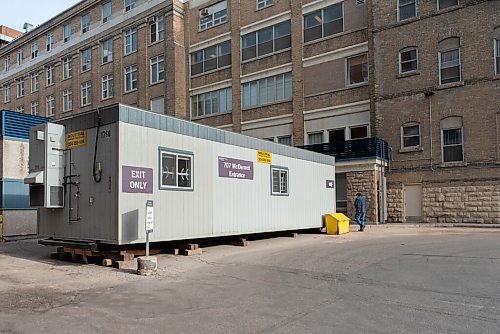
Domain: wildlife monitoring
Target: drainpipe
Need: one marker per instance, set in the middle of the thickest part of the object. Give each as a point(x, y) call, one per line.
point(429, 94)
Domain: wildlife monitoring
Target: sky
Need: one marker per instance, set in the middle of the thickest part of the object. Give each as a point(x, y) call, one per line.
point(14, 13)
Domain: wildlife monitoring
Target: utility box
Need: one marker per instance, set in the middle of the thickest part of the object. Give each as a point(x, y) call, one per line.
point(337, 223)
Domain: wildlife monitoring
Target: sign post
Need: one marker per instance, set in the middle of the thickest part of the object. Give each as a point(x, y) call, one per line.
point(149, 222)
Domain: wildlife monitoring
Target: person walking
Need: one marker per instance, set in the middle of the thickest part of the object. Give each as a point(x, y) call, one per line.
point(360, 205)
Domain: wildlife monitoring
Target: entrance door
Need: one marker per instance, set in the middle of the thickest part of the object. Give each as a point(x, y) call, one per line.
point(413, 202)
point(337, 136)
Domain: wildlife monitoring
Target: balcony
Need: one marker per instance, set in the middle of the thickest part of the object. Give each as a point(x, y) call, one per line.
point(356, 149)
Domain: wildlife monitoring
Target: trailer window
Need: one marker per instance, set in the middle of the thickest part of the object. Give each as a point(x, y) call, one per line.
point(176, 170)
point(279, 181)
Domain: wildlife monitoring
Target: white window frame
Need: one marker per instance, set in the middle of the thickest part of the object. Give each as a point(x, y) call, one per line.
point(348, 73)
point(322, 10)
point(284, 185)
point(20, 109)
point(107, 87)
point(158, 23)
point(309, 134)
point(20, 57)
point(86, 59)
point(67, 32)
point(407, 125)
point(256, 85)
point(274, 38)
point(67, 68)
point(128, 5)
point(34, 81)
point(157, 69)
point(20, 87)
point(439, 5)
point(34, 108)
point(34, 50)
point(67, 100)
point(261, 4)
point(366, 125)
point(409, 18)
point(6, 93)
point(409, 61)
point(131, 72)
point(496, 47)
point(6, 63)
point(459, 65)
point(49, 75)
point(176, 174)
point(50, 105)
point(86, 94)
point(210, 11)
point(199, 100)
point(49, 42)
point(105, 18)
point(85, 24)
point(461, 144)
point(130, 45)
point(107, 51)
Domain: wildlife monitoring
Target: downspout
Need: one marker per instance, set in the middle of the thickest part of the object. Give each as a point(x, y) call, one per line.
point(429, 94)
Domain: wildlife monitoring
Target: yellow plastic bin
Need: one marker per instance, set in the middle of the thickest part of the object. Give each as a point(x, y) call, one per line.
point(336, 223)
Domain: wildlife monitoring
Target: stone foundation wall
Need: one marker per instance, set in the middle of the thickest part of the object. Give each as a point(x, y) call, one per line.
point(395, 204)
point(364, 182)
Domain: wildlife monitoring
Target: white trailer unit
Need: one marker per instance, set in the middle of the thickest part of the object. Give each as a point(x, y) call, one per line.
point(202, 181)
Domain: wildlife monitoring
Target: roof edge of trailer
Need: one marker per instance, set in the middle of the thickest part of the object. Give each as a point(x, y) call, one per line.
point(148, 119)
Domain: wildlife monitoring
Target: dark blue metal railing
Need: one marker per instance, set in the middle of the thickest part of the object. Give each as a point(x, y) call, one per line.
point(354, 149)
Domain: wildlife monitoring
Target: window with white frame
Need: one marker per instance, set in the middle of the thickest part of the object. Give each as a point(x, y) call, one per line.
point(49, 75)
point(285, 140)
point(49, 42)
point(67, 100)
point(357, 69)
point(211, 58)
point(34, 108)
point(157, 72)
point(86, 59)
point(452, 139)
point(20, 109)
point(210, 103)
point(324, 22)
point(156, 29)
point(106, 12)
point(408, 60)
point(85, 23)
point(176, 170)
point(20, 87)
point(449, 61)
point(358, 131)
point(50, 105)
point(86, 94)
point(213, 15)
point(130, 41)
point(6, 64)
point(264, 3)
point(442, 4)
point(6, 93)
point(107, 51)
point(266, 41)
point(410, 135)
point(67, 32)
point(497, 56)
point(314, 138)
point(407, 9)
point(157, 105)
point(129, 4)
point(279, 180)
point(20, 57)
point(267, 90)
point(67, 68)
point(107, 86)
point(34, 50)
point(130, 73)
point(34, 81)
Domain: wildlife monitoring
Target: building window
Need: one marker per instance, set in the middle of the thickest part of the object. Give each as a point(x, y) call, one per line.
point(6, 64)
point(357, 69)
point(50, 105)
point(264, 3)
point(410, 135)
point(86, 94)
point(325, 22)
point(408, 60)
point(129, 4)
point(130, 78)
point(106, 12)
point(67, 32)
point(34, 50)
point(67, 100)
point(267, 90)
point(86, 59)
point(107, 86)
point(85, 23)
point(211, 58)
point(107, 51)
point(49, 75)
point(34, 108)
point(449, 61)
point(285, 140)
point(20, 87)
point(279, 180)
point(156, 29)
point(497, 56)
point(452, 139)
point(49, 42)
point(314, 138)
point(176, 170)
point(407, 9)
point(266, 41)
point(130, 41)
point(216, 102)
point(20, 57)
point(34, 82)
point(442, 4)
point(6, 93)
point(67, 68)
point(20, 109)
point(213, 15)
point(359, 132)
point(157, 105)
point(157, 69)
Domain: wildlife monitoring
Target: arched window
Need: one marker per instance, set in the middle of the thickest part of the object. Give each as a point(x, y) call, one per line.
point(449, 61)
point(452, 139)
point(410, 135)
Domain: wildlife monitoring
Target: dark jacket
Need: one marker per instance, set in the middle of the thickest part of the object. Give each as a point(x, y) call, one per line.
point(360, 204)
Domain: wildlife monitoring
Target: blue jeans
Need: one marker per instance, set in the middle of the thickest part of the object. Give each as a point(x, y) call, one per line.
point(360, 219)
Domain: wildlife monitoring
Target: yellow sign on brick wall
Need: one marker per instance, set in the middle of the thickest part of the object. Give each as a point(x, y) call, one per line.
point(264, 157)
point(76, 139)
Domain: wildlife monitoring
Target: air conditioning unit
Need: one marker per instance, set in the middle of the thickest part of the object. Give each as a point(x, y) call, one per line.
point(204, 12)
